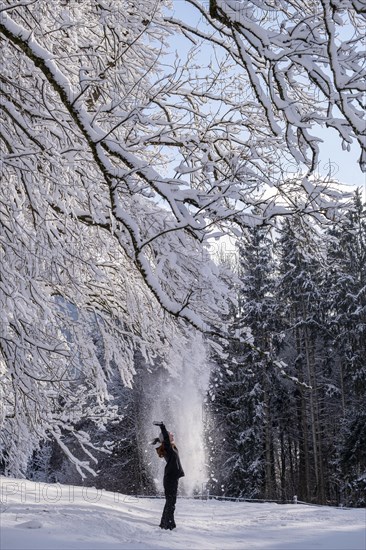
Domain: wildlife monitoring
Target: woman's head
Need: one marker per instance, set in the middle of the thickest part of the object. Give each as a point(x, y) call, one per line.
point(161, 451)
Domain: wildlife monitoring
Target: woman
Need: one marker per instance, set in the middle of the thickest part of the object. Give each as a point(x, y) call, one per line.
point(166, 449)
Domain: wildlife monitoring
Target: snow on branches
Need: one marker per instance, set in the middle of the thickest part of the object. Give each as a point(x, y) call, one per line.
point(305, 61)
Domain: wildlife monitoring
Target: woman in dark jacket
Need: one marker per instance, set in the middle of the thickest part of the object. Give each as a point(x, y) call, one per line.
point(166, 449)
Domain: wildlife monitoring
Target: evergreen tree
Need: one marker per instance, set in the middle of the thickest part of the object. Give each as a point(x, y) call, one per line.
point(241, 386)
point(300, 291)
point(347, 319)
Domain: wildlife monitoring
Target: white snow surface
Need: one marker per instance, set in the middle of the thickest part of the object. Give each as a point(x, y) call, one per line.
point(53, 517)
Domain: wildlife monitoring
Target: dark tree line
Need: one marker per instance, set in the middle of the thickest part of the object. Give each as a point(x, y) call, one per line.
point(288, 412)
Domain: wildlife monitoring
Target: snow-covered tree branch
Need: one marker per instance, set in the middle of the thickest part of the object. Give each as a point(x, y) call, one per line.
point(305, 62)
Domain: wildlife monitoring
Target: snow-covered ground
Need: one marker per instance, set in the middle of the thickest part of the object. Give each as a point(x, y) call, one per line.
point(59, 517)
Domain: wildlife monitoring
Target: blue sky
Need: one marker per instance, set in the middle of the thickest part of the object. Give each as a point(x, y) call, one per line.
point(344, 163)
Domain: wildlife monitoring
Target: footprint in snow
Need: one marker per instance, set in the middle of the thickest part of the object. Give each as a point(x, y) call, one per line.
point(32, 524)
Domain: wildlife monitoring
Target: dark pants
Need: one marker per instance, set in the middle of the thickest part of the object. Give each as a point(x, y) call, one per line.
point(170, 490)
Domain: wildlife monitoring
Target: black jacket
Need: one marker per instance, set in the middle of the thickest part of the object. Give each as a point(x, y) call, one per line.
point(173, 468)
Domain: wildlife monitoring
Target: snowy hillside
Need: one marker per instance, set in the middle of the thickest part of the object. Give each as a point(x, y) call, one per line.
point(54, 517)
